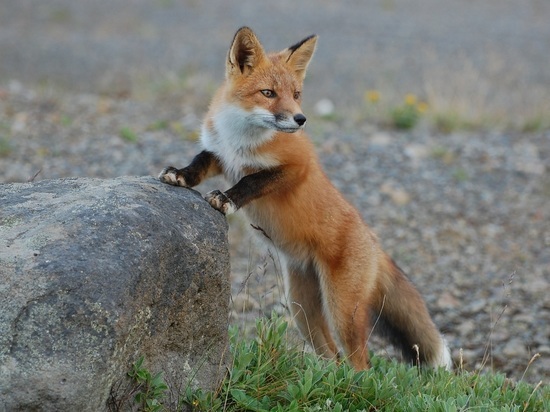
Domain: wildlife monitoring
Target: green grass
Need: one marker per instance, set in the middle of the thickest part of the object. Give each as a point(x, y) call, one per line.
point(536, 124)
point(159, 125)
point(461, 175)
point(5, 147)
point(149, 389)
point(66, 120)
point(448, 122)
point(128, 134)
point(269, 375)
point(404, 117)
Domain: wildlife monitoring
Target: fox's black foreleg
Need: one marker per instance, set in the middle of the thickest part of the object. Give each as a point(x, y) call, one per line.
point(250, 187)
point(203, 165)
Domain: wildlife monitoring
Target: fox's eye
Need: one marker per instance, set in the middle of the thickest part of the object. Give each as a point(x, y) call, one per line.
point(268, 93)
point(297, 95)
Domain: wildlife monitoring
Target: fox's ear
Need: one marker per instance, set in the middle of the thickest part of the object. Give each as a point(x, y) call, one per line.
point(299, 55)
point(244, 54)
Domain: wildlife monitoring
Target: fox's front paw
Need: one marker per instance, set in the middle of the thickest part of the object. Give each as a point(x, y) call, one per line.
point(221, 202)
point(172, 176)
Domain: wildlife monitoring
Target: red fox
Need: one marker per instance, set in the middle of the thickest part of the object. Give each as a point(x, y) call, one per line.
point(341, 283)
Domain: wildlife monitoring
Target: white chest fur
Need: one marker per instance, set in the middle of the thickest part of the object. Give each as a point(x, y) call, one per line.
point(235, 137)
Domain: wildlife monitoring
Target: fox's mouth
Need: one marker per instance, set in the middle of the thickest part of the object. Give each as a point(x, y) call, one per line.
point(287, 129)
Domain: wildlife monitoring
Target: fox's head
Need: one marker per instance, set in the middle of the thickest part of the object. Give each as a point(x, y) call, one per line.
point(268, 87)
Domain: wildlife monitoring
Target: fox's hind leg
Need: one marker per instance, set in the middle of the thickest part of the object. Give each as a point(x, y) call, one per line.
point(347, 306)
point(306, 304)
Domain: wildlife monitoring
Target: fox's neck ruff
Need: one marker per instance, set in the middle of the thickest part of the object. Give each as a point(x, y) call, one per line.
point(234, 135)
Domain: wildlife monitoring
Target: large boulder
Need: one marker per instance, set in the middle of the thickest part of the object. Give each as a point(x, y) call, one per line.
point(95, 274)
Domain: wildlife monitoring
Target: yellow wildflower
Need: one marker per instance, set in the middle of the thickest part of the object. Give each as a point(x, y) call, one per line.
point(422, 107)
point(372, 96)
point(410, 99)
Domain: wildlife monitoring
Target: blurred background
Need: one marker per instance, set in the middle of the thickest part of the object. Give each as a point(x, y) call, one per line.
point(431, 116)
point(484, 61)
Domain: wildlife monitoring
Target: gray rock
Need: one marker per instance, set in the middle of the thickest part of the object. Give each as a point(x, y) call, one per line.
point(96, 273)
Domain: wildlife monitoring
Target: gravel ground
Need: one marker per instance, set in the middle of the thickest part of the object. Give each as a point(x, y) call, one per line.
point(480, 59)
point(465, 214)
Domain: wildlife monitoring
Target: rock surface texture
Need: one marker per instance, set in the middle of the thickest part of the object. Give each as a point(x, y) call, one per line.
point(96, 273)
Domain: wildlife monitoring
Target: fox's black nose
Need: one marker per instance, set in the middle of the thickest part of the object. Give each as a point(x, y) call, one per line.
point(300, 119)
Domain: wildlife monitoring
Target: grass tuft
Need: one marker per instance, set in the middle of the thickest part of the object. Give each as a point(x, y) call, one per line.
point(5, 147)
point(128, 134)
point(269, 374)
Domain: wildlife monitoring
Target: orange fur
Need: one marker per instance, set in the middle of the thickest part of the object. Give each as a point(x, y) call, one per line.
point(340, 280)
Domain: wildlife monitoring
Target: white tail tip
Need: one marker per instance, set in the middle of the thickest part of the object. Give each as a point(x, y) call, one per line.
point(444, 359)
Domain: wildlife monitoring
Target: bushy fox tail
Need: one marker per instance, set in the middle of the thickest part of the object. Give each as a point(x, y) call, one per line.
point(402, 317)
